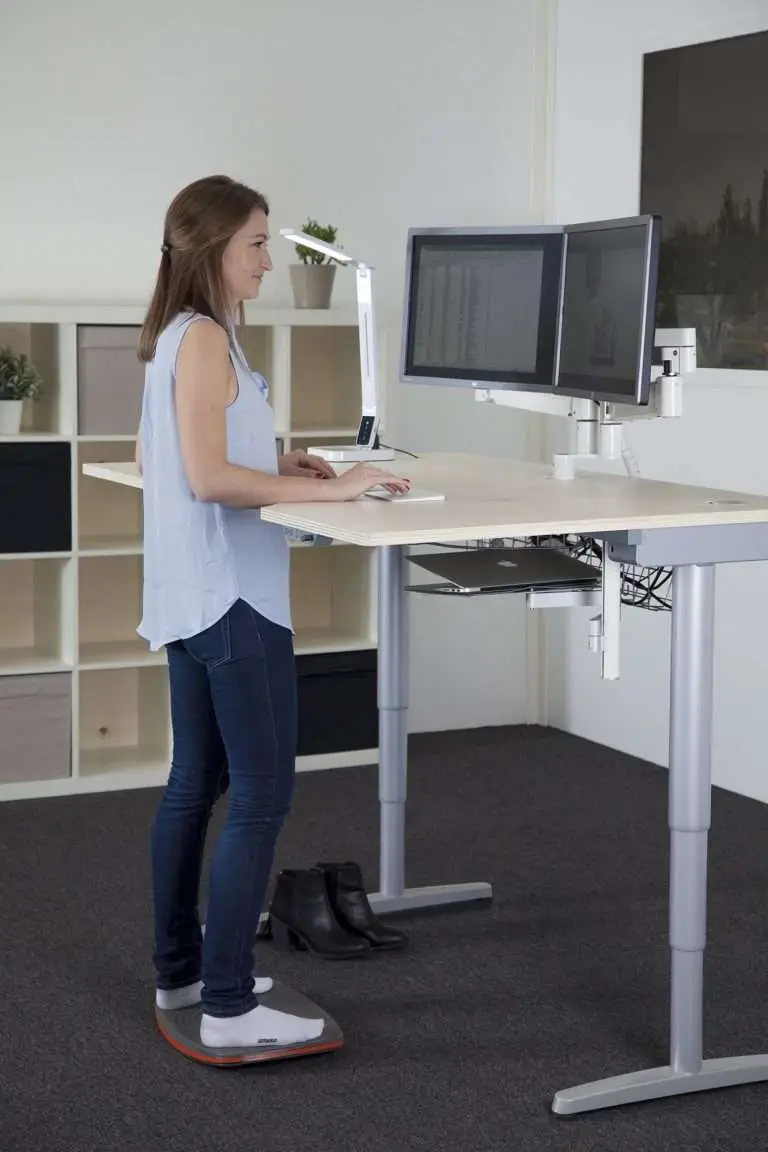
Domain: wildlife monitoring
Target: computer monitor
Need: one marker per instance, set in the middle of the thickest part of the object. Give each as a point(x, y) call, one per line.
point(607, 322)
point(481, 307)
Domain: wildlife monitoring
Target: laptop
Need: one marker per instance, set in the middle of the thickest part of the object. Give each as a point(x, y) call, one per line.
point(476, 570)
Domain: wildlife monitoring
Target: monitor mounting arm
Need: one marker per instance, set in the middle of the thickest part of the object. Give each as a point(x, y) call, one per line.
point(599, 437)
point(598, 425)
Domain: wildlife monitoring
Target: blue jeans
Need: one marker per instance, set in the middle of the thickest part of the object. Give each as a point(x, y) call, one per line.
point(233, 713)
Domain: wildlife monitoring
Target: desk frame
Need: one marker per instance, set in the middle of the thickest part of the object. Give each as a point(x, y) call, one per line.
point(695, 552)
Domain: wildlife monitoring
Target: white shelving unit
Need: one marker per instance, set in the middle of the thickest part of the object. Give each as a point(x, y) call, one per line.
point(83, 702)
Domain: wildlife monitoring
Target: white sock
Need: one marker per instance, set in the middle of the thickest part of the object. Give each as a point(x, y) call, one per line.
point(260, 1027)
point(172, 999)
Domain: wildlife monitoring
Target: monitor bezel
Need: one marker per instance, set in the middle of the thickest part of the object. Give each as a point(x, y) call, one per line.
point(641, 394)
point(539, 382)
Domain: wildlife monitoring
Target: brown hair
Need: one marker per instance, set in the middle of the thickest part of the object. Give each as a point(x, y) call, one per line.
point(199, 223)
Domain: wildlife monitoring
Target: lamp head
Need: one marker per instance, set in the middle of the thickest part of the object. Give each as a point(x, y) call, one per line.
point(320, 246)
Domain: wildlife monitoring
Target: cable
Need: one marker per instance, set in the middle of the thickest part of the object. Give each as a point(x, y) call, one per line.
point(640, 588)
point(391, 448)
point(630, 463)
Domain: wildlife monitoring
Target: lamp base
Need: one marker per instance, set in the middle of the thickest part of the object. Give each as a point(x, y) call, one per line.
point(351, 453)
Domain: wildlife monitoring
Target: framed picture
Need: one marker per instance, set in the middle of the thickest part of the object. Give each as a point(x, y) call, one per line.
point(705, 172)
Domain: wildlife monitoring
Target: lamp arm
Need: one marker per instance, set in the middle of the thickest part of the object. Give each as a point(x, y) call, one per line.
point(366, 442)
point(369, 382)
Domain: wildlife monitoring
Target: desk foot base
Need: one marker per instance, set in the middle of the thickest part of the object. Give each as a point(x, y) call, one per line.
point(434, 897)
point(658, 1083)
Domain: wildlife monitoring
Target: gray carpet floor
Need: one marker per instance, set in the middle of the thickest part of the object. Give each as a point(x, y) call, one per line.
point(456, 1045)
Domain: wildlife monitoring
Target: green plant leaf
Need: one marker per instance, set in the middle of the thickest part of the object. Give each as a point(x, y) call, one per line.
point(326, 232)
point(19, 379)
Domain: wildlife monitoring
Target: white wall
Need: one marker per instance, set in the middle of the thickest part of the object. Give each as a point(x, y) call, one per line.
point(719, 442)
point(371, 117)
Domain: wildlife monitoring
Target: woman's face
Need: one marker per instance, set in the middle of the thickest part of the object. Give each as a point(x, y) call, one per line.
point(246, 258)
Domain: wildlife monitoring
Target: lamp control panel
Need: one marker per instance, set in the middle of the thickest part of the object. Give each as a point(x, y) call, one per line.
point(366, 430)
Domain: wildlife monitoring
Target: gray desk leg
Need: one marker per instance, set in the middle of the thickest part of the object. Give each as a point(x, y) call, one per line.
point(393, 751)
point(693, 598)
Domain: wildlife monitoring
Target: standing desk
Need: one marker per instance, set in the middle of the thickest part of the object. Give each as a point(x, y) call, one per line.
point(642, 522)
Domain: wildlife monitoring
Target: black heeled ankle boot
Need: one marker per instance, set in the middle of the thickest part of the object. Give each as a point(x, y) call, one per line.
point(301, 917)
point(350, 903)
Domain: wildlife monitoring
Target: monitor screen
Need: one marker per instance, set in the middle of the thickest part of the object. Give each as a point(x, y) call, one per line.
point(608, 312)
point(481, 306)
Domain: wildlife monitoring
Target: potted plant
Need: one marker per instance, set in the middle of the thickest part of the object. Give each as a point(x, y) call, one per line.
point(312, 279)
point(19, 381)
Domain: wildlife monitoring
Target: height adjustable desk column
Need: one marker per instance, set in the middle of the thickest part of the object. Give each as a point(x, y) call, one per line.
point(643, 522)
point(393, 896)
point(692, 553)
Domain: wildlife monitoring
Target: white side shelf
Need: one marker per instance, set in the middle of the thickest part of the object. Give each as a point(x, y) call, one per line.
point(69, 651)
point(127, 474)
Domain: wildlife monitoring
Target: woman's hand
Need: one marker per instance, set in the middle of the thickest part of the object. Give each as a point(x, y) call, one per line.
point(299, 463)
point(361, 478)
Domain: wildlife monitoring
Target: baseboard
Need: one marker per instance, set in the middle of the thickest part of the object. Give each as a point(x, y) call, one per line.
point(326, 761)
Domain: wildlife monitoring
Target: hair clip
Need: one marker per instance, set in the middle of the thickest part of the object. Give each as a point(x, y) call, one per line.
point(165, 248)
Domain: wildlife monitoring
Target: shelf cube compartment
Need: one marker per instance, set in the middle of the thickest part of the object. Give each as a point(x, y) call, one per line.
point(110, 379)
point(325, 380)
point(331, 599)
point(35, 628)
point(124, 720)
point(38, 517)
point(109, 611)
point(50, 414)
point(256, 343)
point(109, 515)
point(36, 723)
point(338, 704)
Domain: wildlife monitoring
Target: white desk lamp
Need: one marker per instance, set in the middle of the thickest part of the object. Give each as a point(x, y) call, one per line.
point(365, 446)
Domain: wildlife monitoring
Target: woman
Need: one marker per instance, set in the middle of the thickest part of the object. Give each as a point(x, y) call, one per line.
point(216, 596)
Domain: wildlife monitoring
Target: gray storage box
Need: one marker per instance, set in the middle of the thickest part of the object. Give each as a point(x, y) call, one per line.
point(110, 380)
point(35, 727)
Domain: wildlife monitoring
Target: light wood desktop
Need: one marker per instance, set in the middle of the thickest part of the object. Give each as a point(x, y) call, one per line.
point(489, 497)
point(687, 528)
point(495, 497)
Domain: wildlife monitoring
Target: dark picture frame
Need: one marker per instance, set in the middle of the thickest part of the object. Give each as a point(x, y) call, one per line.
point(704, 170)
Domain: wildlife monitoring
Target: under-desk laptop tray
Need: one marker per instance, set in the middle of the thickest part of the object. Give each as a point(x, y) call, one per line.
point(482, 571)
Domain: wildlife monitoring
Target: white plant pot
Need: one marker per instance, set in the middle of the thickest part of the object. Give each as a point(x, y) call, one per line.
point(312, 284)
point(10, 417)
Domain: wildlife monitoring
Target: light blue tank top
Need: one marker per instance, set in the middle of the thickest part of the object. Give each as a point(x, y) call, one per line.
point(199, 558)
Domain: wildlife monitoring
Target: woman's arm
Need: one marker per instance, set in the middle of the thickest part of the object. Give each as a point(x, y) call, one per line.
point(202, 386)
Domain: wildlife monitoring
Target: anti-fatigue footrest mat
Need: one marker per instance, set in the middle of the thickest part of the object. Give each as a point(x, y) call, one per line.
point(182, 1030)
